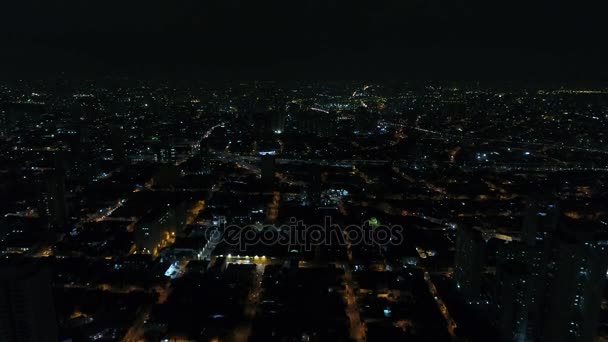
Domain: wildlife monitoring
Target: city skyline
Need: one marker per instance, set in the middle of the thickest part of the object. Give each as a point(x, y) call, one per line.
point(349, 211)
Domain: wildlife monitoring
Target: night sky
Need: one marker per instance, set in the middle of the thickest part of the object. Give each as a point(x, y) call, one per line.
point(291, 39)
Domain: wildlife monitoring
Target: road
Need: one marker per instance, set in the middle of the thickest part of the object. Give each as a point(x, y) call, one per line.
point(357, 328)
point(546, 144)
point(451, 324)
point(242, 332)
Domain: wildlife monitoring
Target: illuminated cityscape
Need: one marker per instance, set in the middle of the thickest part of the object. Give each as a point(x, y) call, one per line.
point(303, 171)
point(493, 200)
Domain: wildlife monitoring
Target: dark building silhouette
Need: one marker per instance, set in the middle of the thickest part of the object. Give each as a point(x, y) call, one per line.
point(454, 109)
point(577, 277)
point(166, 177)
point(26, 305)
point(315, 122)
point(23, 113)
point(365, 121)
point(268, 168)
point(540, 218)
point(469, 262)
point(278, 121)
point(315, 184)
point(512, 301)
point(84, 158)
point(56, 206)
point(4, 123)
point(156, 227)
point(521, 285)
point(521, 274)
point(549, 285)
point(118, 144)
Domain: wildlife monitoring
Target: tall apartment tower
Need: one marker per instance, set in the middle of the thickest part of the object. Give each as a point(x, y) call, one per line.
point(56, 207)
point(268, 168)
point(469, 261)
point(577, 280)
point(522, 275)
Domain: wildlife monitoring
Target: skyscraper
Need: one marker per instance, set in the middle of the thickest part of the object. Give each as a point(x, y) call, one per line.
point(512, 301)
point(521, 275)
point(4, 123)
point(315, 184)
point(540, 219)
point(26, 305)
point(577, 280)
point(268, 168)
point(278, 121)
point(469, 261)
point(549, 285)
point(521, 285)
point(119, 152)
point(316, 122)
point(56, 207)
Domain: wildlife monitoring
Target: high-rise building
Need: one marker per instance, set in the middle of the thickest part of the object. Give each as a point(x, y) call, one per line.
point(365, 121)
point(315, 184)
point(26, 304)
point(577, 279)
point(23, 113)
point(118, 144)
point(521, 283)
point(316, 122)
point(549, 284)
point(512, 299)
point(539, 220)
point(56, 207)
point(83, 158)
point(268, 168)
point(521, 275)
point(4, 123)
point(278, 121)
point(469, 262)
